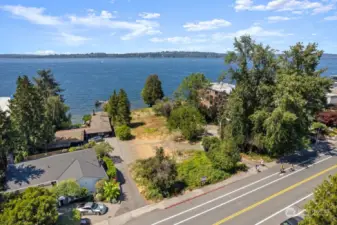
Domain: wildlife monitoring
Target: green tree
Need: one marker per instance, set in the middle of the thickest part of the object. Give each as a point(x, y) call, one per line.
point(152, 90)
point(68, 188)
point(188, 120)
point(156, 173)
point(32, 127)
point(50, 90)
point(111, 190)
point(322, 209)
point(6, 145)
point(112, 107)
point(123, 111)
point(48, 84)
point(224, 156)
point(103, 149)
point(123, 132)
point(56, 111)
point(190, 88)
point(275, 99)
point(35, 206)
point(86, 118)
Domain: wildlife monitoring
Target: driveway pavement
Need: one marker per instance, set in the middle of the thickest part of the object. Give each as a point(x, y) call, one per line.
point(131, 198)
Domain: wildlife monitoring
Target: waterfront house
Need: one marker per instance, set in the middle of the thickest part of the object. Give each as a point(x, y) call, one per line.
point(4, 103)
point(215, 92)
point(82, 166)
point(99, 125)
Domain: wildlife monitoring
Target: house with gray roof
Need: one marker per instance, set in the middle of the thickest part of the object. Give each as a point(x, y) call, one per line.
point(82, 166)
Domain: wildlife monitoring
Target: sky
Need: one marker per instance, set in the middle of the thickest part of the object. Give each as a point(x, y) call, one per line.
point(123, 26)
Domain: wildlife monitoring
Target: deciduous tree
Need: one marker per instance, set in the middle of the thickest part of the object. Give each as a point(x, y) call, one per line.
point(35, 205)
point(323, 208)
point(188, 120)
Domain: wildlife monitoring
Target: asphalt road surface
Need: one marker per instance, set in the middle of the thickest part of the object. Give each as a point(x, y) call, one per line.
point(265, 198)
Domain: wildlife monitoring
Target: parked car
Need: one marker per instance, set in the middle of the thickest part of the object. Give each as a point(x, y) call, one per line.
point(292, 221)
point(92, 208)
point(97, 139)
point(85, 221)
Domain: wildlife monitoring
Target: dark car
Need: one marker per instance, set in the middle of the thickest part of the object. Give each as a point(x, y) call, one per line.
point(292, 221)
point(85, 221)
point(96, 139)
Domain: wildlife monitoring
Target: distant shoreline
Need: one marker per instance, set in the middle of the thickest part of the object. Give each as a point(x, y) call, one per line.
point(166, 54)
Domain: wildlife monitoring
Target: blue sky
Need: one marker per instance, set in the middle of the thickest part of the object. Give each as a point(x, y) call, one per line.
point(119, 26)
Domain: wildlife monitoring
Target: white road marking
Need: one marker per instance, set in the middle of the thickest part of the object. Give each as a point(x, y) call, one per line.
point(299, 213)
point(232, 192)
point(278, 212)
point(249, 192)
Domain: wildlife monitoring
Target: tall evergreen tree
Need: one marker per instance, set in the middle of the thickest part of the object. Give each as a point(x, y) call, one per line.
point(112, 107)
point(5, 144)
point(50, 90)
point(31, 126)
point(47, 84)
point(123, 110)
point(152, 90)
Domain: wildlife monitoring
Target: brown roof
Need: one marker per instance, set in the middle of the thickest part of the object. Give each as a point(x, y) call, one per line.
point(72, 134)
point(100, 123)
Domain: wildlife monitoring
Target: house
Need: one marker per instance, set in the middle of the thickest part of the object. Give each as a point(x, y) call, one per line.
point(331, 99)
point(68, 138)
point(4, 103)
point(99, 125)
point(82, 166)
point(215, 92)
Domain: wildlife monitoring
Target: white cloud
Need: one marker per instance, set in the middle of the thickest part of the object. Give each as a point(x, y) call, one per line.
point(32, 14)
point(137, 28)
point(207, 25)
point(71, 39)
point(146, 15)
point(45, 52)
point(284, 5)
point(275, 19)
point(297, 12)
point(331, 18)
point(178, 40)
point(313, 34)
point(254, 31)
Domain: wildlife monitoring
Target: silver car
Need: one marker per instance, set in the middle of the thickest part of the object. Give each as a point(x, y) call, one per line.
point(92, 208)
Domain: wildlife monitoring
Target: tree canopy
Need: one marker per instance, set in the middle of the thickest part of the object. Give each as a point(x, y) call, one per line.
point(190, 88)
point(275, 99)
point(6, 145)
point(323, 208)
point(188, 120)
point(32, 127)
point(152, 90)
point(118, 108)
point(69, 188)
point(35, 206)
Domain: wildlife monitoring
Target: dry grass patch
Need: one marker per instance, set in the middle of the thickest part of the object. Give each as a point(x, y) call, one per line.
point(146, 125)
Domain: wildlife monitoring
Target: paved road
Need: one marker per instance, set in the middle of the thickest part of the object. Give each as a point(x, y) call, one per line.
point(265, 198)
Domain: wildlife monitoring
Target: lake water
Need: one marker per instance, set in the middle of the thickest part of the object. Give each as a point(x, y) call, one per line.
point(88, 80)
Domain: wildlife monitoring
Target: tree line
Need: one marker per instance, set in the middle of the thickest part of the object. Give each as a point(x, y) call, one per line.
point(36, 111)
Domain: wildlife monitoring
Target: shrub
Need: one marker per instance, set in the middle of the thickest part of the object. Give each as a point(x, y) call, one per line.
point(328, 118)
point(99, 197)
point(123, 132)
point(111, 190)
point(111, 169)
point(163, 107)
point(157, 173)
point(72, 149)
point(225, 156)
point(19, 157)
point(210, 142)
point(153, 193)
point(76, 215)
point(103, 149)
point(90, 144)
point(86, 118)
point(192, 170)
point(188, 120)
point(69, 188)
point(99, 186)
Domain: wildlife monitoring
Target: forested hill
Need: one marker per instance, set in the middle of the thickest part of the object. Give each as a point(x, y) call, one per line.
point(166, 54)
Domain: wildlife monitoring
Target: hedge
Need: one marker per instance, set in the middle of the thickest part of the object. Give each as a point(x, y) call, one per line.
point(111, 169)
